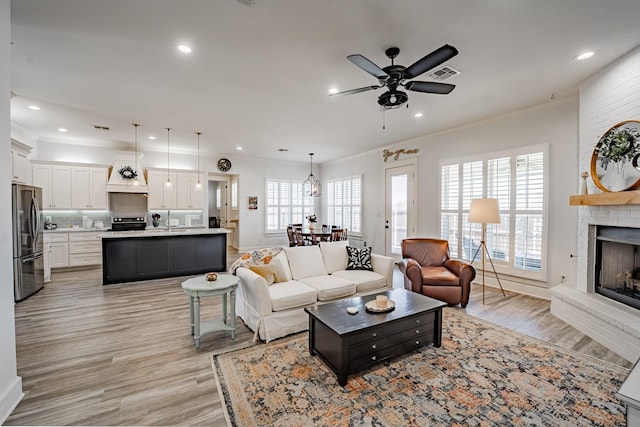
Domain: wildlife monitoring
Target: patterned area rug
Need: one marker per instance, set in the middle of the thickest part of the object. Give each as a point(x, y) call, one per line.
point(483, 375)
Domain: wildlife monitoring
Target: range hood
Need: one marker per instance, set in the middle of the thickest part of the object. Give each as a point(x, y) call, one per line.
point(125, 160)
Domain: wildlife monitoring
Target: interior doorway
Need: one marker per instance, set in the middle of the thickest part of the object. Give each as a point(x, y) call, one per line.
point(218, 207)
point(400, 206)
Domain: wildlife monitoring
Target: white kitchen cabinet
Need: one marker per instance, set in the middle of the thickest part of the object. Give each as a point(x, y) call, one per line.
point(59, 249)
point(85, 248)
point(19, 162)
point(55, 181)
point(89, 187)
point(46, 242)
point(161, 197)
point(188, 197)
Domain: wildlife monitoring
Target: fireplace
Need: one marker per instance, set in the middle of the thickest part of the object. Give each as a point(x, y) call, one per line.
point(617, 264)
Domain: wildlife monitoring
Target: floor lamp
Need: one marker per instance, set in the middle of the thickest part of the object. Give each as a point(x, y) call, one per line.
point(485, 211)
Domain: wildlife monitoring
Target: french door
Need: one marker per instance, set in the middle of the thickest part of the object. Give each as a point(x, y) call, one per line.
point(400, 207)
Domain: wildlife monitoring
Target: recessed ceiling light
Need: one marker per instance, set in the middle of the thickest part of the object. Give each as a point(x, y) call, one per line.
point(62, 130)
point(333, 90)
point(584, 55)
point(152, 137)
point(184, 48)
point(417, 115)
point(239, 148)
point(34, 107)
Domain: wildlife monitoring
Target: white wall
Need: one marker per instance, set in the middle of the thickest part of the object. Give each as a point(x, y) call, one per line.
point(252, 174)
point(554, 123)
point(10, 382)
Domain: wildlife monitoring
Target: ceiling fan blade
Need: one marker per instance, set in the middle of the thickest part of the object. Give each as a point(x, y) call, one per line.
point(433, 59)
point(430, 87)
point(352, 91)
point(368, 66)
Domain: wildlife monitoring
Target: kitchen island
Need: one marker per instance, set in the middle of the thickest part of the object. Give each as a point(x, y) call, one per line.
point(129, 256)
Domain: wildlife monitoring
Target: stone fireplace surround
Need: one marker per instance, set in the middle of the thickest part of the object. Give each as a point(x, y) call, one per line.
point(609, 322)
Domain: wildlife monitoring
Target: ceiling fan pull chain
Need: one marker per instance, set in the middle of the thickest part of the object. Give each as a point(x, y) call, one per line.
point(384, 125)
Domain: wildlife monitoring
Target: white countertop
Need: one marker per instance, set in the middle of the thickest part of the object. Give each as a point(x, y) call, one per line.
point(164, 232)
point(75, 229)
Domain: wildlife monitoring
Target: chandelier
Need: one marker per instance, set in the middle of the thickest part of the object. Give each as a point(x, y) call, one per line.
point(312, 186)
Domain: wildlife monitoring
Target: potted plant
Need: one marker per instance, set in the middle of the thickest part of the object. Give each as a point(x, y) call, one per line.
point(312, 218)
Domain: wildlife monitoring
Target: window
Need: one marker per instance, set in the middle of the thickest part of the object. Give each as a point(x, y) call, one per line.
point(344, 203)
point(234, 195)
point(286, 204)
point(517, 180)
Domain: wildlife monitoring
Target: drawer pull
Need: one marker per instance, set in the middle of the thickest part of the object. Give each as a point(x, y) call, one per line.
point(417, 342)
point(374, 333)
point(417, 331)
point(417, 320)
point(373, 357)
point(374, 346)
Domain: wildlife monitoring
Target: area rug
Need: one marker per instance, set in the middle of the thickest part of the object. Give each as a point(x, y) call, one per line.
point(483, 375)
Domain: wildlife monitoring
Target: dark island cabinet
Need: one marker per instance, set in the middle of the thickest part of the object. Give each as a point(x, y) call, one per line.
point(130, 259)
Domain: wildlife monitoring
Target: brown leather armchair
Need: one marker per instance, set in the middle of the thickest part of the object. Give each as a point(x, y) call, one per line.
point(428, 270)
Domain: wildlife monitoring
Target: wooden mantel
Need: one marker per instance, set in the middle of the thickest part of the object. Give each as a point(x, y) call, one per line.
point(602, 199)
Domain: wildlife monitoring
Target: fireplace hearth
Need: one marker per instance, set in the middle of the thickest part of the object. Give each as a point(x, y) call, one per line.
point(617, 264)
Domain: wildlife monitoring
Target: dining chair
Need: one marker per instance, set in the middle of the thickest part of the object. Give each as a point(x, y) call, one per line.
point(292, 237)
point(300, 240)
point(338, 234)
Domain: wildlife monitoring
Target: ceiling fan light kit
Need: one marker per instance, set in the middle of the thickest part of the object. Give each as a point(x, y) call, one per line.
point(394, 76)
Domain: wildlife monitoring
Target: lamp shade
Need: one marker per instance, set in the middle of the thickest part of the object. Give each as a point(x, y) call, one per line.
point(485, 211)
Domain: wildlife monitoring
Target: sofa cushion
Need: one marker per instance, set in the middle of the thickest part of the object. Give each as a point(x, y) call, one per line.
point(291, 294)
point(334, 255)
point(305, 261)
point(359, 258)
point(364, 280)
point(330, 287)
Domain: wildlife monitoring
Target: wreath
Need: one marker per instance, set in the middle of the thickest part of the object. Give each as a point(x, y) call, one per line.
point(126, 172)
point(618, 145)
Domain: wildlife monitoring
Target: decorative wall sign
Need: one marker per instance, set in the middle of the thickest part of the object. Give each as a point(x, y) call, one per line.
point(614, 160)
point(396, 154)
point(127, 172)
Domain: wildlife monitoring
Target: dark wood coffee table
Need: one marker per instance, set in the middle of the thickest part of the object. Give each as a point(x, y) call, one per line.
point(348, 343)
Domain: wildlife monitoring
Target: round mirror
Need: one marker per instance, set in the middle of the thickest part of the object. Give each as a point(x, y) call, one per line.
point(615, 160)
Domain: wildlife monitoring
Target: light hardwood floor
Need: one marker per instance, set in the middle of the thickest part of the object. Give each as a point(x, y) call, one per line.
point(122, 354)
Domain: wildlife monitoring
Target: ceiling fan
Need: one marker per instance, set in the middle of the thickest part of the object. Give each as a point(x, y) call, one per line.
point(393, 76)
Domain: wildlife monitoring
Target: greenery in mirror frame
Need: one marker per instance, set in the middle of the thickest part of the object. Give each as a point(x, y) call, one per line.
point(619, 144)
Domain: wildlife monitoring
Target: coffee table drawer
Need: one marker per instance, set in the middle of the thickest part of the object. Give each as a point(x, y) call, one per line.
point(387, 340)
point(396, 349)
point(388, 329)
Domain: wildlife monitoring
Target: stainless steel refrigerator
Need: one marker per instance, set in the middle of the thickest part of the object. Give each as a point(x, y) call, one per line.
point(28, 262)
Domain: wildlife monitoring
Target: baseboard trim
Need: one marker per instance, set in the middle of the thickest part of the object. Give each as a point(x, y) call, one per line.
point(10, 398)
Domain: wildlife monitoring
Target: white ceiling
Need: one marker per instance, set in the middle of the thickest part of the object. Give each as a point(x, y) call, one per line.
point(258, 76)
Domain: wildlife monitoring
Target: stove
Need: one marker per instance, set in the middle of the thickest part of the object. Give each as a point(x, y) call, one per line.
point(128, 223)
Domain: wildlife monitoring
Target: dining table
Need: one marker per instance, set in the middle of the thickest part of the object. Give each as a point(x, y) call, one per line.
point(316, 236)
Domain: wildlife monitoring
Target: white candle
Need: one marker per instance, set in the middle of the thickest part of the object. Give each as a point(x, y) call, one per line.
point(381, 301)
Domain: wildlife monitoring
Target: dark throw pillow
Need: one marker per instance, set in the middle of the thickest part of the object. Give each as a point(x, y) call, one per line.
point(359, 258)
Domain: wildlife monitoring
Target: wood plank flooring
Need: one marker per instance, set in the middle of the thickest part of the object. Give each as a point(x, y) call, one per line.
point(122, 354)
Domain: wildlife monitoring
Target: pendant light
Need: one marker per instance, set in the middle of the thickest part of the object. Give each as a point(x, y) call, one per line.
point(198, 183)
point(135, 180)
point(168, 184)
point(312, 186)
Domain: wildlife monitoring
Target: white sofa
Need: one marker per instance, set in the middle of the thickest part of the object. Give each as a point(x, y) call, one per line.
point(312, 274)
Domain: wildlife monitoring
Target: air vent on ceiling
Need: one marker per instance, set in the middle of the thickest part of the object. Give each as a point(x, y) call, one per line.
point(443, 73)
point(98, 127)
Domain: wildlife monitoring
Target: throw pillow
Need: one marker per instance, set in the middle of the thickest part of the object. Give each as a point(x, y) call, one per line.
point(359, 258)
point(272, 272)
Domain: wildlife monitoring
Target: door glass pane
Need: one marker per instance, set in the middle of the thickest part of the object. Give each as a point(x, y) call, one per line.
point(398, 212)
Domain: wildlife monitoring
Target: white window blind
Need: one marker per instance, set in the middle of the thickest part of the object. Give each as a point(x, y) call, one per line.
point(344, 203)
point(286, 204)
point(517, 180)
